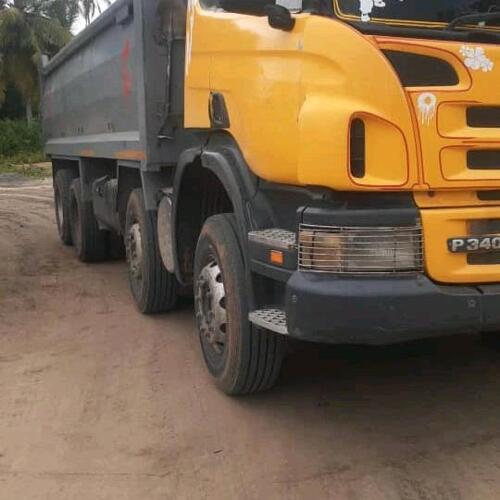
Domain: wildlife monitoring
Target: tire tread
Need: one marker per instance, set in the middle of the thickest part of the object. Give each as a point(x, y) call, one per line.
point(160, 291)
point(62, 181)
point(262, 351)
point(93, 240)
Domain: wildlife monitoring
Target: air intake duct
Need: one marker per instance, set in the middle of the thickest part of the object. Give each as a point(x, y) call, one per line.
point(483, 116)
point(416, 70)
point(357, 150)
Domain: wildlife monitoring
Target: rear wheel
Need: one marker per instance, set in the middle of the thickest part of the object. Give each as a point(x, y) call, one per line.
point(62, 203)
point(116, 246)
point(154, 289)
point(242, 359)
point(89, 241)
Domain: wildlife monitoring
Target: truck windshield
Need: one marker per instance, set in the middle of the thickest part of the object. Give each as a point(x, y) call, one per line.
point(416, 13)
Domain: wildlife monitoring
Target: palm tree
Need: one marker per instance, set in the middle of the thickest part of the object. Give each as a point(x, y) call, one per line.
point(26, 32)
point(65, 11)
point(89, 8)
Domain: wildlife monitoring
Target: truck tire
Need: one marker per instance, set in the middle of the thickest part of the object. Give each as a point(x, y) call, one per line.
point(491, 340)
point(154, 289)
point(116, 246)
point(62, 186)
point(89, 241)
point(242, 359)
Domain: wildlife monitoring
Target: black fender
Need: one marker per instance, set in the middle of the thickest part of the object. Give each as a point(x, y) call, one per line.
point(222, 156)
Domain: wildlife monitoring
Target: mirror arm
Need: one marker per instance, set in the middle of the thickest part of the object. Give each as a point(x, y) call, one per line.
point(280, 18)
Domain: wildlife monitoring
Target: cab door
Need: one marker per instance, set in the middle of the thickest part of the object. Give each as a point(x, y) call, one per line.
point(255, 70)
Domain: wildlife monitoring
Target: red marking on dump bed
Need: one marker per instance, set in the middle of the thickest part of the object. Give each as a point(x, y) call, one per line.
point(126, 74)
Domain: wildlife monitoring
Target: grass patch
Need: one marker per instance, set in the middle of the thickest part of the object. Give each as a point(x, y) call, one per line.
point(21, 149)
point(26, 164)
point(18, 137)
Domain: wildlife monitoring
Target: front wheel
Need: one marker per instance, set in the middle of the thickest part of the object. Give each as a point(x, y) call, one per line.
point(241, 359)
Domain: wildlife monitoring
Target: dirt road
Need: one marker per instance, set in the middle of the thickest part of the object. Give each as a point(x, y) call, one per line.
point(99, 402)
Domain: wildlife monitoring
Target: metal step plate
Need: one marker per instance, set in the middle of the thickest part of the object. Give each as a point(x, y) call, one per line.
point(275, 238)
point(270, 318)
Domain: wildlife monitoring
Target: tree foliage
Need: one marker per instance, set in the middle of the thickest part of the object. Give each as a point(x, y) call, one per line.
point(64, 11)
point(30, 28)
point(89, 8)
point(19, 137)
point(27, 32)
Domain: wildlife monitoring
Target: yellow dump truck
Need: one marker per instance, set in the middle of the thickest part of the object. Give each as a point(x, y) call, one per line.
point(326, 170)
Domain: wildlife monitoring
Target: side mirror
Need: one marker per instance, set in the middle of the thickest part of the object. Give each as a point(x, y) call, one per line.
point(280, 18)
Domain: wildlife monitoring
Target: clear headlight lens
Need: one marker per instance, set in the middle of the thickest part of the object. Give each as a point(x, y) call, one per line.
point(337, 249)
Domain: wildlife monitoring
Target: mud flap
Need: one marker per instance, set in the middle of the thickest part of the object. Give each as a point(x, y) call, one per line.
point(165, 240)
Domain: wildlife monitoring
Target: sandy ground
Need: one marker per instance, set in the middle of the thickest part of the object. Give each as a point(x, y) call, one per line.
point(99, 402)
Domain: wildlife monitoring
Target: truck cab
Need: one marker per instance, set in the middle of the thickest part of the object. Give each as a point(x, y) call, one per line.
point(326, 170)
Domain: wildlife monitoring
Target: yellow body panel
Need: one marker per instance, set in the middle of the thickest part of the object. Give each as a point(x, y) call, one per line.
point(291, 97)
point(445, 138)
point(443, 224)
point(449, 199)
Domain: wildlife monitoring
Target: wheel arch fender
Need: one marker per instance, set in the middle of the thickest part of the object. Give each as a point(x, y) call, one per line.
point(222, 157)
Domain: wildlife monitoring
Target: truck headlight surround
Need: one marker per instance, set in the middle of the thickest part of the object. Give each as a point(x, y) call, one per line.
point(361, 250)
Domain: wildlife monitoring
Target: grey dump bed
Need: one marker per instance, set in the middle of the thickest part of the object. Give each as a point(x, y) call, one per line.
point(116, 91)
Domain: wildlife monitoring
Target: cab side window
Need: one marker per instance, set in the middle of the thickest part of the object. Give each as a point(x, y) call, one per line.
point(252, 7)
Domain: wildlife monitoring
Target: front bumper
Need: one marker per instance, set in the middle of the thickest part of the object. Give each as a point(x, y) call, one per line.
point(322, 308)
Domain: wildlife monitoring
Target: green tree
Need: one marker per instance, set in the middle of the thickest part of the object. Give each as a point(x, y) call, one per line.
point(65, 11)
point(89, 8)
point(27, 32)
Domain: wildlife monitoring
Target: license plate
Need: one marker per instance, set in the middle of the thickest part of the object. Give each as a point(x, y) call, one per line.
point(474, 244)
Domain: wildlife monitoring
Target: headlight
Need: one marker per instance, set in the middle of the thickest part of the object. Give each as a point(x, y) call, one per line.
point(336, 249)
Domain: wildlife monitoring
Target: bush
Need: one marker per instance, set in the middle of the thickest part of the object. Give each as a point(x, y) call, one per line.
point(17, 137)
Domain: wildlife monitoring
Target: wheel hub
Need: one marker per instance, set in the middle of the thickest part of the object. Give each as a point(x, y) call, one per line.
point(211, 307)
point(134, 250)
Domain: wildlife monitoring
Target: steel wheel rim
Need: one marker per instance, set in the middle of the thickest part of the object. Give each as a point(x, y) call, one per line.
point(211, 313)
point(135, 254)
